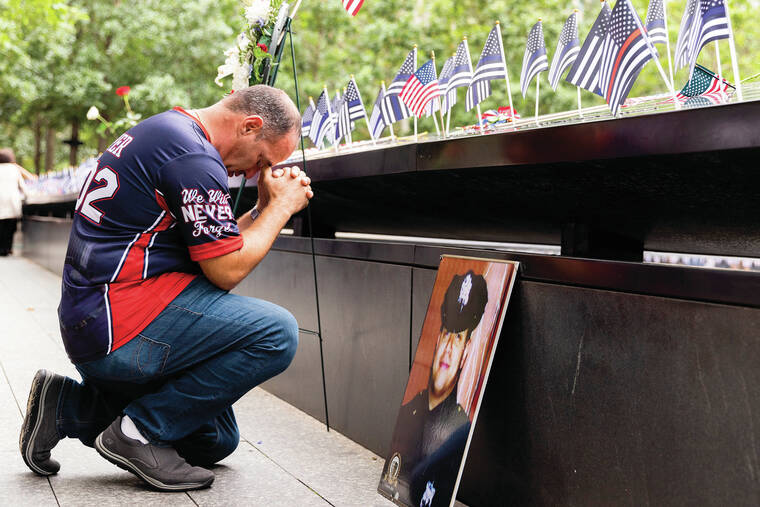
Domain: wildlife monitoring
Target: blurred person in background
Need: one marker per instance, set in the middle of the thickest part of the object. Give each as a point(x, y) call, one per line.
point(11, 195)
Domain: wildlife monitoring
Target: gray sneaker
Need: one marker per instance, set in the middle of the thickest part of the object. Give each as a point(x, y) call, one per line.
point(38, 432)
point(160, 467)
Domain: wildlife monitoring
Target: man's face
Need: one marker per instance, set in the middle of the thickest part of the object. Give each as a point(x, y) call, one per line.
point(252, 153)
point(450, 352)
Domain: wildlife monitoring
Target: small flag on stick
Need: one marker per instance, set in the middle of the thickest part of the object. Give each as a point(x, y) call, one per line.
point(567, 51)
point(321, 121)
point(460, 75)
point(344, 121)
point(377, 121)
point(534, 59)
point(490, 66)
point(655, 23)
point(585, 71)
point(421, 88)
point(711, 24)
point(626, 50)
point(307, 117)
point(683, 53)
point(393, 109)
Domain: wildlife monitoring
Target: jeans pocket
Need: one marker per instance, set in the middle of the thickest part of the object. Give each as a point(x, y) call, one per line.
point(151, 356)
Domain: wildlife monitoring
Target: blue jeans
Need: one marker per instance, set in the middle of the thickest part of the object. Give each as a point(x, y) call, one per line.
point(178, 378)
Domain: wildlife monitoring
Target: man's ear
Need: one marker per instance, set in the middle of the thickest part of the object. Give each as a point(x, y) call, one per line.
point(252, 124)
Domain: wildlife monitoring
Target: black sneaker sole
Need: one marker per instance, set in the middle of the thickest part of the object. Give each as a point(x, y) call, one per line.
point(32, 420)
point(125, 464)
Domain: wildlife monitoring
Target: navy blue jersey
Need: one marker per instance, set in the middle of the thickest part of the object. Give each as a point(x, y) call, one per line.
point(155, 205)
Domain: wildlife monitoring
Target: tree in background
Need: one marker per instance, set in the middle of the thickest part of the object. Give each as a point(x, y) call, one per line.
point(63, 58)
point(331, 45)
point(60, 57)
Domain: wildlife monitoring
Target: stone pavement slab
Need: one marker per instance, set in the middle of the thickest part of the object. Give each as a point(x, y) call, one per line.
point(285, 458)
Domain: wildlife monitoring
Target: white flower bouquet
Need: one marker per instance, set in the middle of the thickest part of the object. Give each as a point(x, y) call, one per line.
point(248, 60)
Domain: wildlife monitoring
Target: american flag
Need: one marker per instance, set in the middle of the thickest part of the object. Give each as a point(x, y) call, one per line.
point(655, 23)
point(393, 109)
point(460, 75)
point(377, 121)
point(490, 66)
point(354, 101)
point(625, 52)
point(534, 60)
point(352, 6)
point(585, 70)
point(682, 54)
point(421, 88)
point(321, 122)
point(567, 51)
point(307, 117)
point(711, 24)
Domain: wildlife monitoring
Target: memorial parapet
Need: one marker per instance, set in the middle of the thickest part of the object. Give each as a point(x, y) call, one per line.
point(604, 188)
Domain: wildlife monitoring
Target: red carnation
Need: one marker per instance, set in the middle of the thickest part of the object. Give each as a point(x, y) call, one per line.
point(123, 91)
point(263, 47)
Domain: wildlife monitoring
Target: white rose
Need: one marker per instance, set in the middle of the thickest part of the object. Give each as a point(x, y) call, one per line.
point(93, 113)
point(257, 12)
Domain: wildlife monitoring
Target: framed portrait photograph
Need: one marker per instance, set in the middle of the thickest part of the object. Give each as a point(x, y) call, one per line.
point(447, 380)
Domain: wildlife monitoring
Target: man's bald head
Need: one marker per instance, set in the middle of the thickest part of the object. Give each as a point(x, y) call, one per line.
point(279, 113)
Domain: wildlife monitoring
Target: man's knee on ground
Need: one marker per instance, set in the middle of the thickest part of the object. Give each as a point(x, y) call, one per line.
point(285, 328)
point(205, 456)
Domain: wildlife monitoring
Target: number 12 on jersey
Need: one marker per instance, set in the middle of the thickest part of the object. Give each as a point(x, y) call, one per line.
point(107, 183)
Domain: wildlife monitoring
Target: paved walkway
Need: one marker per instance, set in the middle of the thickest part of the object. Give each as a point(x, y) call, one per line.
point(285, 457)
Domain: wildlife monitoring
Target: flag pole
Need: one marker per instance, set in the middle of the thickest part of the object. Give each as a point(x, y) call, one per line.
point(506, 73)
point(717, 59)
point(538, 88)
point(578, 88)
point(732, 48)
point(415, 116)
point(448, 112)
point(390, 125)
point(655, 56)
point(432, 113)
point(361, 101)
point(667, 43)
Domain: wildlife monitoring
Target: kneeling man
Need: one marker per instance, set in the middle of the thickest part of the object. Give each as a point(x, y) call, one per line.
point(146, 317)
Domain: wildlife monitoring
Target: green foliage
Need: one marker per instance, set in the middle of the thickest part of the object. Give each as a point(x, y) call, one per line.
point(63, 57)
point(59, 57)
point(331, 45)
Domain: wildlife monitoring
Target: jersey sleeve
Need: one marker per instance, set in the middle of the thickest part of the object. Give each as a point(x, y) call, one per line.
point(194, 189)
